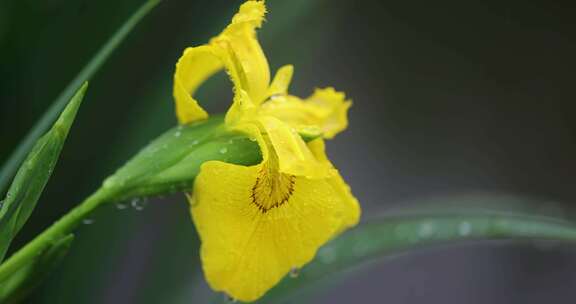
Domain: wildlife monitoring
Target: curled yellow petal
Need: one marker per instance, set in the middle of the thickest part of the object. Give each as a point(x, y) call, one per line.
point(245, 59)
point(192, 69)
point(326, 110)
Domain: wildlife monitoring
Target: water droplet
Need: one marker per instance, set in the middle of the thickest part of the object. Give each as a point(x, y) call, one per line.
point(229, 299)
point(278, 96)
point(426, 230)
point(294, 272)
point(230, 141)
point(252, 138)
point(121, 206)
point(138, 204)
point(177, 133)
point(327, 255)
point(1, 204)
point(223, 150)
point(195, 142)
point(464, 228)
point(87, 221)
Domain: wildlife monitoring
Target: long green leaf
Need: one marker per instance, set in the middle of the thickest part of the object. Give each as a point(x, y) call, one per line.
point(390, 235)
point(34, 174)
point(24, 280)
point(11, 165)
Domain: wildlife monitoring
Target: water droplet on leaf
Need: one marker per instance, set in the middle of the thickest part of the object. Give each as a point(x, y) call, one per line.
point(223, 150)
point(195, 142)
point(426, 230)
point(87, 221)
point(464, 228)
point(121, 206)
point(138, 204)
point(327, 255)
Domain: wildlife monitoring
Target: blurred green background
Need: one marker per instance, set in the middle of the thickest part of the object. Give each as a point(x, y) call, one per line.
point(459, 102)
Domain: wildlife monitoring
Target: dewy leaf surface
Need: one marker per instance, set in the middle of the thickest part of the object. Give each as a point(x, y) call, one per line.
point(34, 173)
point(390, 235)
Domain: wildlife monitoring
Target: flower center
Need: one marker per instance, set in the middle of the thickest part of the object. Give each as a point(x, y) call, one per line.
point(272, 189)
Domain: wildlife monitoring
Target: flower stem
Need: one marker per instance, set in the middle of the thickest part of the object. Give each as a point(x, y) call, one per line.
point(59, 229)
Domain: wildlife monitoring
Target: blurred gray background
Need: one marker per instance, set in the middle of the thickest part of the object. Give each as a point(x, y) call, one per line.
point(461, 102)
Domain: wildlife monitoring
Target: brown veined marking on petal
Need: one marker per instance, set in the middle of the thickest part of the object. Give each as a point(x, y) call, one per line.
point(272, 189)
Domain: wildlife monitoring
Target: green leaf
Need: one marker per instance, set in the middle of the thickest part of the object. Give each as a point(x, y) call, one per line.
point(387, 236)
point(25, 279)
point(11, 165)
point(34, 174)
point(171, 162)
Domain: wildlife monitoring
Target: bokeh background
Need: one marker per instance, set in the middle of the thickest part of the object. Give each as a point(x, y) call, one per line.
point(455, 102)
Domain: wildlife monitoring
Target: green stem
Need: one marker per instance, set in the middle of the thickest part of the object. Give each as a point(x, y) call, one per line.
point(59, 229)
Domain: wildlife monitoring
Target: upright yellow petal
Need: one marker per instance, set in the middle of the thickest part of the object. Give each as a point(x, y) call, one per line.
point(326, 110)
point(193, 68)
point(246, 60)
point(256, 227)
point(291, 152)
point(281, 82)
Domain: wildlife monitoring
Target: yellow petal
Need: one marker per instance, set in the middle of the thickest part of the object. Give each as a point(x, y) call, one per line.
point(245, 59)
point(193, 68)
point(326, 110)
point(256, 227)
point(352, 217)
point(290, 151)
point(281, 82)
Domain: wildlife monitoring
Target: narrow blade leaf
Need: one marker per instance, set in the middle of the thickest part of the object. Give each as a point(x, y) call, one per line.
point(24, 280)
point(390, 235)
point(11, 165)
point(34, 174)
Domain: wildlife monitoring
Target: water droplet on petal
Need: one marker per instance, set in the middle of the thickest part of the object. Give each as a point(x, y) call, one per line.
point(278, 96)
point(87, 221)
point(294, 272)
point(223, 150)
point(229, 299)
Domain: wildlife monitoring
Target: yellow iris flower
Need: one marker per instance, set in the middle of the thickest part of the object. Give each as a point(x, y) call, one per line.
point(257, 223)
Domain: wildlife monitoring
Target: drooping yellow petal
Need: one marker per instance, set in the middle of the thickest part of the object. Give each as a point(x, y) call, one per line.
point(193, 68)
point(256, 227)
point(325, 110)
point(245, 59)
point(352, 216)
